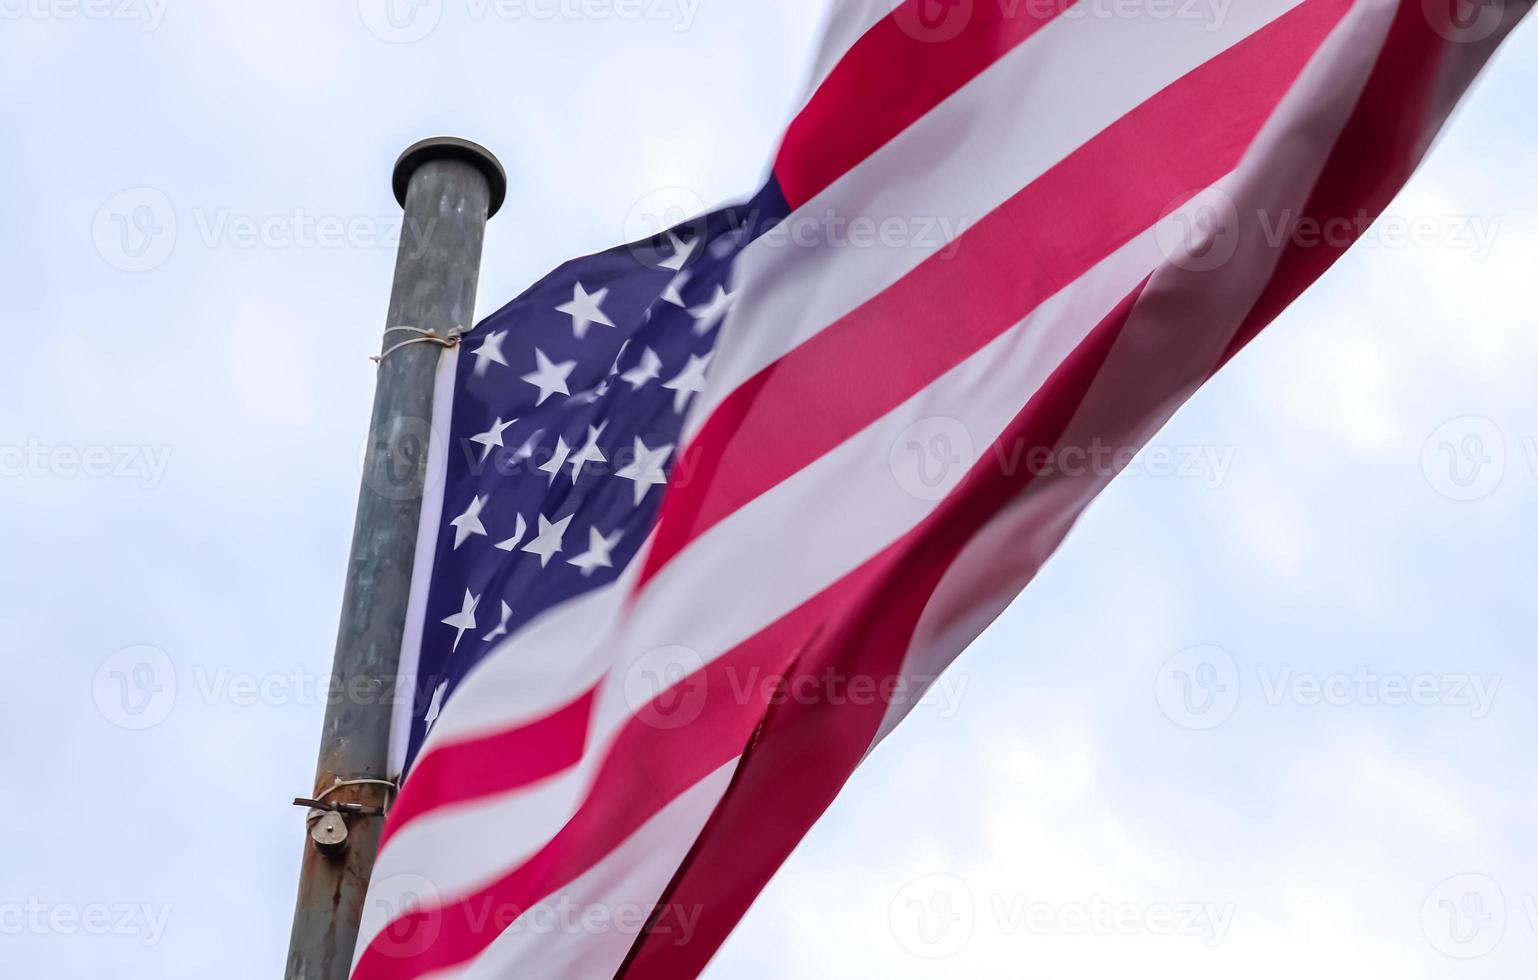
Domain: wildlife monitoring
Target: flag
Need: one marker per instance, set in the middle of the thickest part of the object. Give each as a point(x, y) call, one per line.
point(709, 512)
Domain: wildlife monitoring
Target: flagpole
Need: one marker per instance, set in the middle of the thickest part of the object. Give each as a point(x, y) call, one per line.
point(448, 189)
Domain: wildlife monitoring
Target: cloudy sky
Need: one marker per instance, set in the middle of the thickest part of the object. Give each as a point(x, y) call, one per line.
point(1269, 712)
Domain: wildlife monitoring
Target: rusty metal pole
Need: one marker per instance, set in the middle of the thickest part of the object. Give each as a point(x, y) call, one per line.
point(448, 188)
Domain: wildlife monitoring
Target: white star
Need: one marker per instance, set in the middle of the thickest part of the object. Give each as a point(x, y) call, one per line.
point(689, 381)
point(548, 541)
point(468, 524)
point(681, 252)
point(501, 630)
point(512, 542)
point(435, 708)
point(708, 316)
point(557, 459)
point(649, 369)
point(464, 620)
point(549, 378)
point(590, 453)
point(673, 293)
point(489, 353)
point(646, 469)
point(585, 310)
point(493, 439)
point(599, 547)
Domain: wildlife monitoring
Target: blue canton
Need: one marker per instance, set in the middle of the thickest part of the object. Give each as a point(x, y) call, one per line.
point(569, 404)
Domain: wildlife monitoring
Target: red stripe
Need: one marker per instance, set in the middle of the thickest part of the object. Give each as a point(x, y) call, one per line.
point(1378, 150)
point(465, 771)
point(806, 753)
point(892, 76)
point(1056, 229)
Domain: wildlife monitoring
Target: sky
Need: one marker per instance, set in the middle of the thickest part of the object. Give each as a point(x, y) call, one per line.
point(1269, 712)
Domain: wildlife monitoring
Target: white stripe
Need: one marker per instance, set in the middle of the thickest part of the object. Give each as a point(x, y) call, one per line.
point(617, 894)
point(546, 665)
point(1018, 119)
point(1204, 310)
point(422, 565)
point(453, 844)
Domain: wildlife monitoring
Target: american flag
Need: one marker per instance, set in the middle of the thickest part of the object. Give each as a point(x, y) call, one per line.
point(714, 508)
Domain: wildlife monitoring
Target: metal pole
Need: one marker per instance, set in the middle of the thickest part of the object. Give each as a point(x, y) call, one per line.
point(448, 188)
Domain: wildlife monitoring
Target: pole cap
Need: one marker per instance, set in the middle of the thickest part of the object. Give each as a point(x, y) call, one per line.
point(451, 148)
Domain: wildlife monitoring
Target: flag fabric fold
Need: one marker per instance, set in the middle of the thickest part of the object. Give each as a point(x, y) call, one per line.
point(713, 510)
